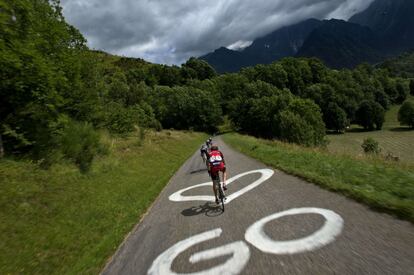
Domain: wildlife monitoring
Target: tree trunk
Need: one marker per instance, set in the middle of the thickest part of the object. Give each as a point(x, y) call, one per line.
point(1, 147)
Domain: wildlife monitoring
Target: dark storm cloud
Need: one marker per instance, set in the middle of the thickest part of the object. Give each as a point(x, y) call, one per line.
point(170, 31)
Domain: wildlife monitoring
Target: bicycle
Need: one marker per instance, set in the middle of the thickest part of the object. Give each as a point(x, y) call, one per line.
point(219, 188)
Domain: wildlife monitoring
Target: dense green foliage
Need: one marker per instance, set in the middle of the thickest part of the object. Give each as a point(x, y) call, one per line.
point(49, 78)
point(406, 114)
point(370, 115)
point(402, 65)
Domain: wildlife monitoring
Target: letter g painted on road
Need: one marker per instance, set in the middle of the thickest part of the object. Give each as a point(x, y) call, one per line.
point(256, 236)
point(239, 250)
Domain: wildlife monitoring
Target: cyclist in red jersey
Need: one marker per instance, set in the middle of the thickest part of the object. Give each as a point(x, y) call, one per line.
point(216, 164)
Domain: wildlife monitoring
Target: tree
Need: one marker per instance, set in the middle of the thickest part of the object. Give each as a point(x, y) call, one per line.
point(318, 69)
point(412, 86)
point(273, 74)
point(370, 115)
point(301, 122)
point(298, 74)
point(382, 98)
point(258, 119)
point(39, 71)
point(1, 147)
point(406, 114)
point(335, 117)
point(197, 68)
point(183, 107)
point(403, 90)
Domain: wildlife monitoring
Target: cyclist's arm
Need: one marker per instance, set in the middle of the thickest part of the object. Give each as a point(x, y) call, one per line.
point(222, 157)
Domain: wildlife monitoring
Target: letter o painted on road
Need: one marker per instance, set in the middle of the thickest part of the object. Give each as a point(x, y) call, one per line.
point(256, 236)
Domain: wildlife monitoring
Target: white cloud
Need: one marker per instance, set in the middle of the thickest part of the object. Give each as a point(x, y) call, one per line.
point(171, 31)
point(239, 45)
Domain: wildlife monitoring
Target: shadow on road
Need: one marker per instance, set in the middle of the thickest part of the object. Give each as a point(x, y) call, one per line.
point(209, 209)
point(199, 170)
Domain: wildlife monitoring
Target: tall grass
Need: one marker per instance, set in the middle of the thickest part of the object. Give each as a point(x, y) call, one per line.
point(385, 186)
point(60, 221)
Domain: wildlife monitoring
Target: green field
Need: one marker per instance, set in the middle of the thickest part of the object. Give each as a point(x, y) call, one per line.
point(393, 139)
point(59, 221)
point(382, 185)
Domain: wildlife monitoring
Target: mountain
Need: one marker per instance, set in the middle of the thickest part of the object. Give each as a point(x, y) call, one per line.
point(341, 44)
point(393, 20)
point(402, 66)
point(385, 29)
point(225, 60)
point(276, 45)
point(284, 42)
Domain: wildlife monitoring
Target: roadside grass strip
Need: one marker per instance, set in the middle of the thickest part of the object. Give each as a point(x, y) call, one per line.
point(59, 221)
point(388, 187)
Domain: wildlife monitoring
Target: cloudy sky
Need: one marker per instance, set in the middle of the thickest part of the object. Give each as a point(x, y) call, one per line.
point(170, 31)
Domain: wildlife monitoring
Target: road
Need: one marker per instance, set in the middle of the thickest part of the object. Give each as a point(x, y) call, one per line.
point(273, 223)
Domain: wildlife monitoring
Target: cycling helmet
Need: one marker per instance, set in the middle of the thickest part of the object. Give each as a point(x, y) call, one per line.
point(214, 147)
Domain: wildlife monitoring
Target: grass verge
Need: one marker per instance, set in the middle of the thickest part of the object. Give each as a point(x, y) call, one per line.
point(62, 222)
point(385, 186)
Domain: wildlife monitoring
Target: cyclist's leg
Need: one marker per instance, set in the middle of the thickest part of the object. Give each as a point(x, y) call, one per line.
point(224, 178)
point(214, 186)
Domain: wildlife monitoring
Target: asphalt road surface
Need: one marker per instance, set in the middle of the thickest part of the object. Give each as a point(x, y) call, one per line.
point(273, 223)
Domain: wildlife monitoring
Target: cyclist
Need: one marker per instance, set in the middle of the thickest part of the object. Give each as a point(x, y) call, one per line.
point(204, 153)
point(216, 164)
point(209, 141)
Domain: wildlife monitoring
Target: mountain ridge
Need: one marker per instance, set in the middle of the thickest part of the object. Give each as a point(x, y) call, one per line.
point(385, 29)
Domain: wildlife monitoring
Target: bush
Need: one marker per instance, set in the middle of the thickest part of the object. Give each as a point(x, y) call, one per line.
point(294, 129)
point(301, 123)
point(406, 114)
point(121, 120)
point(371, 146)
point(80, 143)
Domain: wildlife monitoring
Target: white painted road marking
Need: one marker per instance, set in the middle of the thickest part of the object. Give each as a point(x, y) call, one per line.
point(234, 265)
point(256, 236)
point(265, 175)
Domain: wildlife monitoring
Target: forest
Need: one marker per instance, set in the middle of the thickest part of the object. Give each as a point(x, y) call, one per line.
point(57, 94)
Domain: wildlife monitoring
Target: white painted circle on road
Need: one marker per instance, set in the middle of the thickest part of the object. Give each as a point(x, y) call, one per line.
point(265, 175)
point(332, 227)
point(239, 250)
